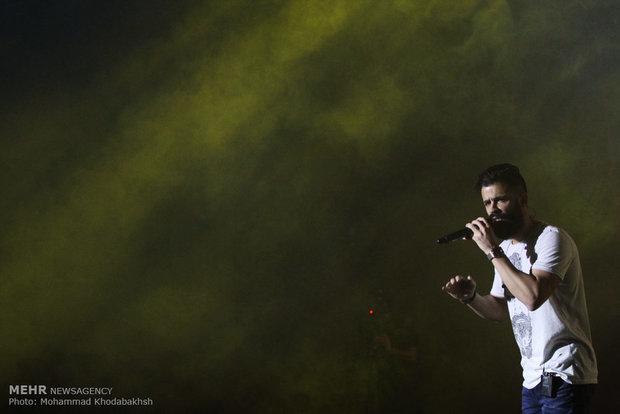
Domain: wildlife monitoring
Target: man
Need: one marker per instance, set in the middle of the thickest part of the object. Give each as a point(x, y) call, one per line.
point(538, 284)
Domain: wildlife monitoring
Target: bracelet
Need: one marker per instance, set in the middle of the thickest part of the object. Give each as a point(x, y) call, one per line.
point(469, 300)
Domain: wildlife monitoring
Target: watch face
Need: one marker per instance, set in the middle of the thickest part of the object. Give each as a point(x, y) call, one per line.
point(496, 252)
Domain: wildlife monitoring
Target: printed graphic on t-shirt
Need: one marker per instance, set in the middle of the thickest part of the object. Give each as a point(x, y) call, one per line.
point(521, 322)
point(515, 259)
point(522, 327)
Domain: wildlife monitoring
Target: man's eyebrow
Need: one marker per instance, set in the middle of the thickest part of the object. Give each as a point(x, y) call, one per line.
point(498, 198)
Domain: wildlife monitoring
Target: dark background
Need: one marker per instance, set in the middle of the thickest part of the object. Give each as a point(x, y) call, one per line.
point(202, 200)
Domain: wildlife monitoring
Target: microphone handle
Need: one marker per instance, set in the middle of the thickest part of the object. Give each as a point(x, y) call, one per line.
point(457, 235)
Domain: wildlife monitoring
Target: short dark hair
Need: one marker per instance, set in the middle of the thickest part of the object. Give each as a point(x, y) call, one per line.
point(502, 173)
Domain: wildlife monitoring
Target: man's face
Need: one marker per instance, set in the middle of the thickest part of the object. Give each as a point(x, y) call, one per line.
point(504, 208)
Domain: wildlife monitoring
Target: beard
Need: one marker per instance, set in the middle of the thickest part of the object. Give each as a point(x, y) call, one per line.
point(506, 225)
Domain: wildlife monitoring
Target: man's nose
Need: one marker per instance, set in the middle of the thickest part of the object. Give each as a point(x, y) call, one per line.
point(494, 206)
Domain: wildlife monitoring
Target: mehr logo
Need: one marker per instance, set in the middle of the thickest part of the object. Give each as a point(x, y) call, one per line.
point(28, 389)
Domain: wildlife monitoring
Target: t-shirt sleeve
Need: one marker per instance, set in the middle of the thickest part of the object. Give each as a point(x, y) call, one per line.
point(554, 251)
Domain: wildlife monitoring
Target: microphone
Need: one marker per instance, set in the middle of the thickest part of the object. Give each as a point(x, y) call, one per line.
point(457, 235)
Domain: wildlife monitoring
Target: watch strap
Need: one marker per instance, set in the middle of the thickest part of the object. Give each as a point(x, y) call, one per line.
point(469, 299)
point(495, 253)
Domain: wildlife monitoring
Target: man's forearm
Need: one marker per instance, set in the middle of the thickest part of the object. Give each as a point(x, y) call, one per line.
point(490, 307)
point(523, 286)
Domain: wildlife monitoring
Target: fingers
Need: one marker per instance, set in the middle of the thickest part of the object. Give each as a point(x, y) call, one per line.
point(459, 285)
point(455, 282)
point(452, 282)
point(480, 224)
point(483, 234)
point(483, 221)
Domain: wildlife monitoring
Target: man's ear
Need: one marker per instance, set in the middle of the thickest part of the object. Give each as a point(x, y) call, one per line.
point(523, 199)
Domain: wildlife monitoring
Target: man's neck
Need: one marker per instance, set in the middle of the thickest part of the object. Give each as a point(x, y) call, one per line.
point(528, 225)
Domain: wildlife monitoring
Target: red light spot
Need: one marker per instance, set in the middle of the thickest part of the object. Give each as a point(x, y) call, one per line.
point(371, 311)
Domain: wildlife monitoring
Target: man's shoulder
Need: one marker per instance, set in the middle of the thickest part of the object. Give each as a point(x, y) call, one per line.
point(551, 231)
point(542, 234)
point(542, 230)
point(554, 237)
point(548, 228)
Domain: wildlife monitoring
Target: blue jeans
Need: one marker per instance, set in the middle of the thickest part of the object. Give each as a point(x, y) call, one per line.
point(569, 399)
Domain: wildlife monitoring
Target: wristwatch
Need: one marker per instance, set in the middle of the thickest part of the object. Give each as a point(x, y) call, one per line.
point(495, 253)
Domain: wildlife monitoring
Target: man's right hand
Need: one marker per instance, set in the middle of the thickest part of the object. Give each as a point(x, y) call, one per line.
point(460, 288)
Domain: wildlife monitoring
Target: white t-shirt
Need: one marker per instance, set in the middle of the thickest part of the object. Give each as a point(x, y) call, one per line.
point(555, 337)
